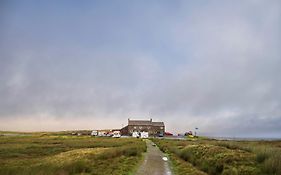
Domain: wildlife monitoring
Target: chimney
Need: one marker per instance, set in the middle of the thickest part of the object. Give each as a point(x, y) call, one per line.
point(151, 120)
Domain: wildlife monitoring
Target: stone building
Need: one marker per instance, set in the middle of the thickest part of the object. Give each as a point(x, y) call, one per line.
point(153, 128)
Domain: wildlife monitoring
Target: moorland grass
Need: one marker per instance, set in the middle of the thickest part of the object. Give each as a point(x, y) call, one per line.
point(224, 157)
point(60, 154)
point(267, 153)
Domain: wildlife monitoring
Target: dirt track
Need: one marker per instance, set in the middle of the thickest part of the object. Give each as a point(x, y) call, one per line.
point(153, 163)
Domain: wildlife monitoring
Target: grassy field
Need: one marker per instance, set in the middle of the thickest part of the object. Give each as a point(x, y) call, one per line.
point(205, 156)
point(63, 154)
point(45, 153)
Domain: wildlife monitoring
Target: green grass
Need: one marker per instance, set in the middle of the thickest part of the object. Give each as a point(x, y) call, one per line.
point(223, 157)
point(46, 154)
point(267, 153)
point(181, 167)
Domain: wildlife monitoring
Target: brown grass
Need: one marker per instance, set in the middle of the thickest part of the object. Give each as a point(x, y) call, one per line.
point(225, 157)
point(60, 154)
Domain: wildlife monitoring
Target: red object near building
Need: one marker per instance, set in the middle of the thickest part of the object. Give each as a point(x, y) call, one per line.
point(168, 134)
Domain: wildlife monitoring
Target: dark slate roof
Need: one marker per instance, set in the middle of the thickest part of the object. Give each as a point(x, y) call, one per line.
point(145, 122)
point(158, 123)
point(139, 122)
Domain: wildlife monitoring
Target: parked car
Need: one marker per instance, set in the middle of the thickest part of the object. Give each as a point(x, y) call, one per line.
point(109, 134)
point(144, 135)
point(101, 133)
point(168, 134)
point(188, 133)
point(116, 134)
point(135, 134)
point(94, 133)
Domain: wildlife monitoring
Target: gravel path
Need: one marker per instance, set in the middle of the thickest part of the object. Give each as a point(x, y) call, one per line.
point(153, 163)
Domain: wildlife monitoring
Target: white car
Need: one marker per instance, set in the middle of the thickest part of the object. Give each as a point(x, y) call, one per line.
point(94, 133)
point(144, 135)
point(116, 134)
point(101, 134)
point(135, 134)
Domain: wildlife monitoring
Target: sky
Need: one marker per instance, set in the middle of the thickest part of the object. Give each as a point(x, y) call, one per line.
point(215, 65)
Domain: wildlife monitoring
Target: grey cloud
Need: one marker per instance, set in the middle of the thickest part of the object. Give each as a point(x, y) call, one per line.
point(215, 66)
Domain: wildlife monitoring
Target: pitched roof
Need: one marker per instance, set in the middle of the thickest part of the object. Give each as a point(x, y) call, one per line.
point(158, 123)
point(139, 122)
point(145, 122)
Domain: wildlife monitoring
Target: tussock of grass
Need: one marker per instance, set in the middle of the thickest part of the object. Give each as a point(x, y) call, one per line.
point(270, 159)
point(272, 165)
point(263, 153)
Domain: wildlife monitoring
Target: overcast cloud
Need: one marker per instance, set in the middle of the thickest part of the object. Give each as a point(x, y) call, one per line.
point(215, 65)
